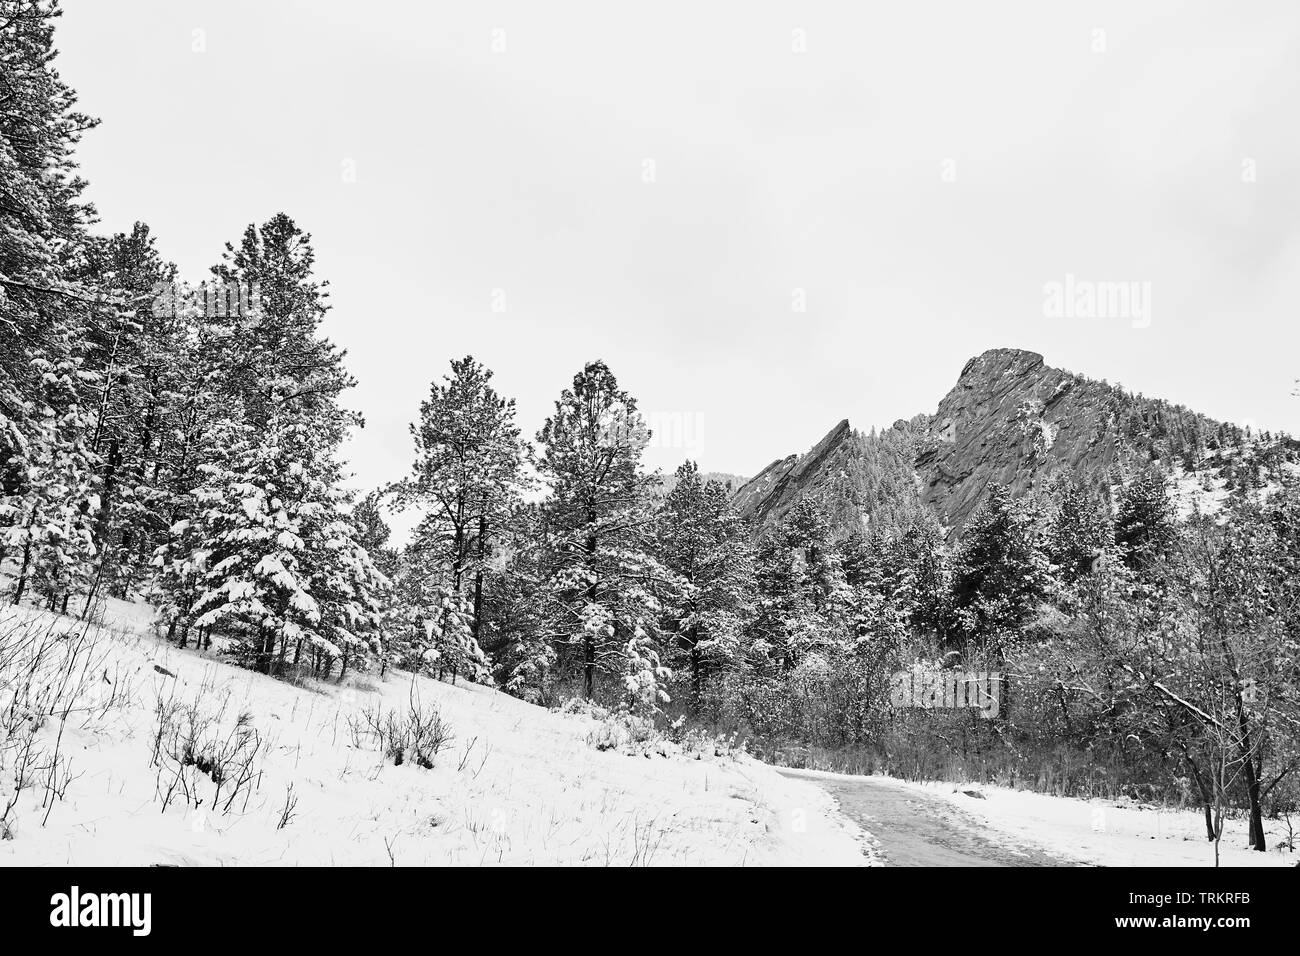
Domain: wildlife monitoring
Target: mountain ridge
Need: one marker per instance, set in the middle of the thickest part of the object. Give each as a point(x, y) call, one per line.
point(1009, 419)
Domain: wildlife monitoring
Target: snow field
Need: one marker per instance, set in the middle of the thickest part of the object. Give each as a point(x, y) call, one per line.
point(305, 784)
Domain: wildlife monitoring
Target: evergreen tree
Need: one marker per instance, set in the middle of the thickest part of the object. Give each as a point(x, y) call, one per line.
point(515, 624)
point(918, 578)
point(135, 353)
point(604, 589)
point(1145, 523)
point(807, 530)
point(278, 338)
point(467, 477)
point(703, 541)
point(1079, 531)
point(1002, 575)
point(804, 600)
point(48, 492)
point(282, 567)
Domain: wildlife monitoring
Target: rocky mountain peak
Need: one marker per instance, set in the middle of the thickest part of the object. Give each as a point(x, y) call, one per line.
point(1009, 419)
point(775, 489)
point(1013, 420)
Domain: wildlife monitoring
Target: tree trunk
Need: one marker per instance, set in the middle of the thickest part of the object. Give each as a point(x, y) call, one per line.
point(265, 646)
point(102, 527)
point(27, 560)
point(589, 642)
point(697, 678)
point(1257, 841)
point(478, 579)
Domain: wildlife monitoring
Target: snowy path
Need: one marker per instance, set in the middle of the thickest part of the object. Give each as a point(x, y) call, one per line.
point(916, 829)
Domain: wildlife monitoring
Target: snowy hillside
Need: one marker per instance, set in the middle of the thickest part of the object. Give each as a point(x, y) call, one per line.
point(306, 781)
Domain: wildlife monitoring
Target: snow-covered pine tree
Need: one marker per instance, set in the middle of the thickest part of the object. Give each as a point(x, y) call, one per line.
point(279, 337)
point(47, 496)
point(350, 589)
point(804, 602)
point(199, 422)
point(782, 618)
point(919, 578)
point(1079, 530)
point(1002, 575)
point(876, 614)
point(276, 575)
point(807, 530)
point(704, 542)
point(136, 351)
point(373, 534)
point(263, 548)
point(432, 619)
point(604, 588)
point(1145, 521)
point(52, 512)
point(467, 477)
point(514, 626)
point(453, 648)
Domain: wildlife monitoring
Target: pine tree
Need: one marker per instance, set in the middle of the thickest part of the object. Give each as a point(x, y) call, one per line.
point(349, 588)
point(782, 620)
point(877, 608)
point(919, 578)
point(47, 475)
point(1002, 575)
point(282, 567)
point(135, 353)
point(604, 589)
point(1079, 531)
point(807, 530)
point(278, 338)
point(197, 425)
point(515, 624)
point(467, 477)
point(1145, 523)
point(702, 540)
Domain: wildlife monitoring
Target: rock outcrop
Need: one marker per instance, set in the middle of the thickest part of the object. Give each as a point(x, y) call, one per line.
point(1015, 421)
point(1009, 419)
point(774, 490)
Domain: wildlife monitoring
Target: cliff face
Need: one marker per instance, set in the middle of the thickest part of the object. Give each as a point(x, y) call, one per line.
point(1013, 420)
point(774, 490)
point(1009, 419)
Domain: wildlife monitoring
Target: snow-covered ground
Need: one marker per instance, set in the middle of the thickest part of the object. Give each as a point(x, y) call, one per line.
point(1103, 832)
point(517, 785)
point(1205, 491)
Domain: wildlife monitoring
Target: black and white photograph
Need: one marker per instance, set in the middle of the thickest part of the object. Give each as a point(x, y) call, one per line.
point(507, 434)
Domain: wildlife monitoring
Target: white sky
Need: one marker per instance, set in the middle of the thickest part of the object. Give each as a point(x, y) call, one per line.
point(823, 171)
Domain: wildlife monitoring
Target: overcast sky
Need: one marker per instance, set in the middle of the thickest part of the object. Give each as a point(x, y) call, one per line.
point(665, 185)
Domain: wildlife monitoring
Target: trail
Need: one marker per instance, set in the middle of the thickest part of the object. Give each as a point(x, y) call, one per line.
point(914, 829)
